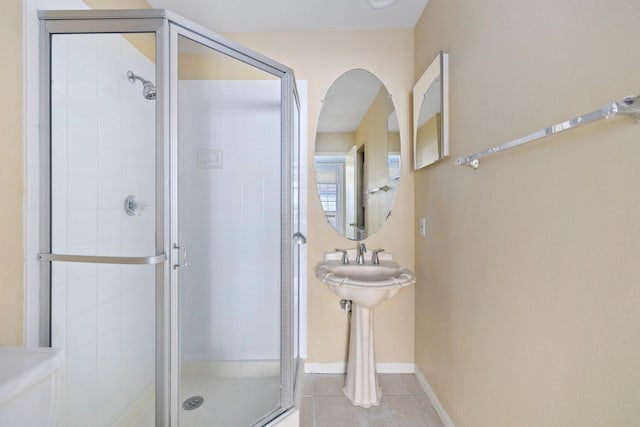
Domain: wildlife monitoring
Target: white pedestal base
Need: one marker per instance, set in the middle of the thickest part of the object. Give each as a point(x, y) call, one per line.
point(361, 386)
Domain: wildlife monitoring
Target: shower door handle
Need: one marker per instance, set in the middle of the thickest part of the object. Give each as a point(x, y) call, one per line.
point(95, 259)
point(299, 238)
point(185, 256)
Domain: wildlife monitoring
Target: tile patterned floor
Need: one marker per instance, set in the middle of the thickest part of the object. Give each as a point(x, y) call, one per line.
point(403, 404)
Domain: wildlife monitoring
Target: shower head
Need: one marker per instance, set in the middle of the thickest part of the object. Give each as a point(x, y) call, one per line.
point(148, 88)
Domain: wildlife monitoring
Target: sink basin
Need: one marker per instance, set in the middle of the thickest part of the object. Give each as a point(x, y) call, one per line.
point(366, 285)
point(367, 274)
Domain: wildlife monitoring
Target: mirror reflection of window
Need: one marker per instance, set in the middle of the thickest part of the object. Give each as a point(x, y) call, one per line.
point(394, 166)
point(330, 181)
point(393, 138)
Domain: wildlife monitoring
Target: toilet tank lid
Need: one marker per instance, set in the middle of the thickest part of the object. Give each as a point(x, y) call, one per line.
point(23, 367)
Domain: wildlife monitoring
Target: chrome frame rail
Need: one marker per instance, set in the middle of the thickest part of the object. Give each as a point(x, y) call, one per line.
point(627, 106)
point(129, 260)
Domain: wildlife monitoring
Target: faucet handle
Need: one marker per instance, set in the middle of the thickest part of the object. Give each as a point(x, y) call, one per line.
point(374, 256)
point(345, 255)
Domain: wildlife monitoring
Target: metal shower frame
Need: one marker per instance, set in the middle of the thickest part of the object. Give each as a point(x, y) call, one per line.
point(167, 27)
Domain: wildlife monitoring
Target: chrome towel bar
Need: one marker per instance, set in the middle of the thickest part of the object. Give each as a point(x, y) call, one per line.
point(627, 106)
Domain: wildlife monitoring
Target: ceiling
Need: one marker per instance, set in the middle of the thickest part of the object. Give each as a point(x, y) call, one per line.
point(294, 15)
point(306, 15)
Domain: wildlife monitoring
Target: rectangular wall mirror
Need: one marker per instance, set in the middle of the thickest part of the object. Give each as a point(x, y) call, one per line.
point(431, 113)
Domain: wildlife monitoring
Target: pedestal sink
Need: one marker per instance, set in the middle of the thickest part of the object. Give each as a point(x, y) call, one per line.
point(366, 285)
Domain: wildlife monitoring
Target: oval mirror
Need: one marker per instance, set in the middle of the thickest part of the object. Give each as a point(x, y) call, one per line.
point(357, 154)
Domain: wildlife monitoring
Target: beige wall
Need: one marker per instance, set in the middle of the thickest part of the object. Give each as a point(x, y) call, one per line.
point(335, 142)
point(320, 58)
point(394, 142)
point(210, 65)
point(11, 178)
point(528, 294)
point(144, 42)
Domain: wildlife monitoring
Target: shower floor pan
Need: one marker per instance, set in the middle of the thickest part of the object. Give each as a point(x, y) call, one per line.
point(234, 393)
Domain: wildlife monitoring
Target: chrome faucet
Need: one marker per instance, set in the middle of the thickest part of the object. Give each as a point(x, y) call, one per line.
point(345, 255)
point(374, 258)
point(362, 249)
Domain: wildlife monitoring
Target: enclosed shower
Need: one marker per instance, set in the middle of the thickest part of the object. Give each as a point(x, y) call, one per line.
point(170, 230)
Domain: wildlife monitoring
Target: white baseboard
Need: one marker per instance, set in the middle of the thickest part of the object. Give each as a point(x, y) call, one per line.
point(395, 368)
point(442, 413)
point(325, 367)
point(341, 368)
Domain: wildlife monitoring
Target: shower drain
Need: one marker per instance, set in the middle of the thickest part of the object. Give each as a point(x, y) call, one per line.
point(194, 402)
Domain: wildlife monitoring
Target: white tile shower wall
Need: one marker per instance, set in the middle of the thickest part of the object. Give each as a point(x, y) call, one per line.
point(103, 150)
point(229, 218)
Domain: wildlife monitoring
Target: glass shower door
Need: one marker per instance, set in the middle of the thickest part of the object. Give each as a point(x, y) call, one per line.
point(102, 259)
point(160, 141)
point(229, 232)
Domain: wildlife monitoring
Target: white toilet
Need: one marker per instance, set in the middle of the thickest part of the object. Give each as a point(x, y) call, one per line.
point(31, 386)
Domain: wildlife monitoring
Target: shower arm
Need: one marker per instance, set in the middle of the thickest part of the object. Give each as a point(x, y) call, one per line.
point(133, 77)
